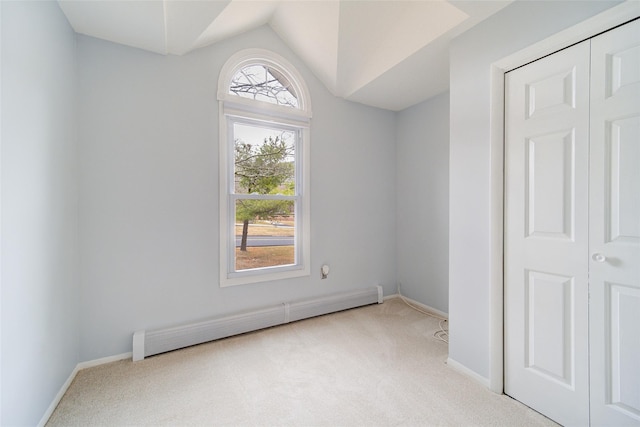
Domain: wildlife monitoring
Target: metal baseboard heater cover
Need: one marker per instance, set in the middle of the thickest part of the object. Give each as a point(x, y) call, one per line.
point(150, 342)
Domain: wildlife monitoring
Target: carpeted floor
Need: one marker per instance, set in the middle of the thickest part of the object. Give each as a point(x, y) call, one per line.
point(374, 366)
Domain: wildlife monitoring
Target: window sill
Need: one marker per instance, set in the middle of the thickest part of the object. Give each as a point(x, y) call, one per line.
point(260, 276)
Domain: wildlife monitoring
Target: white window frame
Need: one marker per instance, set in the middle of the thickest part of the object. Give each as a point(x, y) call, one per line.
point(235, 109)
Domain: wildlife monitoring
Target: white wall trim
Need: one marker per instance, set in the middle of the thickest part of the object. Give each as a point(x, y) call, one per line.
point(468, 372)
point(388, 297)
point(586, 29)
point(104, 360)
point(610, 18)
point(496, 321)
point(421, 306)
point(1, 275)
point(58, 398)
point(80, 366)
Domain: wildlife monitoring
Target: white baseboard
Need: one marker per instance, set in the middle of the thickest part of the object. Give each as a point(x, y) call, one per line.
point(468, 372)
point(421, 306)
point(58, 398)
point(103, 360)
point(80, 366)
point(388, 297)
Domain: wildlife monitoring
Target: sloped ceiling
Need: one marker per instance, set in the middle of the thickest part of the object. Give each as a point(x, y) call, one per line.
point(388, 54)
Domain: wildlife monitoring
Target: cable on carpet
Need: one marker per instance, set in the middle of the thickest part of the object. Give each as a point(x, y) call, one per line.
point(443, 333)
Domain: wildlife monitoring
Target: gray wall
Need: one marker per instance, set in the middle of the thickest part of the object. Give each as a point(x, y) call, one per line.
point(422, 202)
point(147, 128)
point(516, 27)
point(148, 134)
point(40, 291)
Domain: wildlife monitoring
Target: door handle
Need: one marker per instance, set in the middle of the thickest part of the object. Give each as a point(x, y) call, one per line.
point(598, 257)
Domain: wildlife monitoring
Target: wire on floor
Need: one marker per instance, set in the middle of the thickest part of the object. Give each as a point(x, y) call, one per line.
point(443, 333)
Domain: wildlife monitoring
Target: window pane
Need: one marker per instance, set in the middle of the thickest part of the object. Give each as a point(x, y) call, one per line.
point(264, 160)
point(265, 233)
point(263, 83)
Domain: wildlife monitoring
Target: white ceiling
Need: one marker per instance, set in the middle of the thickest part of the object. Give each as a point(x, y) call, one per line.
point(385, 53)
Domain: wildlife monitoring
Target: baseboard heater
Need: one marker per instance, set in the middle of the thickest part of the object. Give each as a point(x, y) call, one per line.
point(150, 342)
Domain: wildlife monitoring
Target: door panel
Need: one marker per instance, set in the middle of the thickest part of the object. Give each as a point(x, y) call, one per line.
point(623, 368)
point(622, 175)
point(549, 185)
point(549, 326)
point(622, 66)
point(546, 235)
point(551, 94)
point(615, 227)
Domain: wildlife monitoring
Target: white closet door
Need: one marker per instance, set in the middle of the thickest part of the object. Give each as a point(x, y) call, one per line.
point(546, 235)
point(615, 227)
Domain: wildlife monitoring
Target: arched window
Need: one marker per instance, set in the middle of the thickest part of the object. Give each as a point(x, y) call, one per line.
point(261, 82)
point(264, 169)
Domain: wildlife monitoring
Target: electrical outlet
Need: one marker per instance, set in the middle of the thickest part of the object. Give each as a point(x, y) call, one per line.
point(324, 271)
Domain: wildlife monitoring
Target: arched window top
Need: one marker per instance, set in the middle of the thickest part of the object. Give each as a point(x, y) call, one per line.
point(263, 79)
point(263, 83)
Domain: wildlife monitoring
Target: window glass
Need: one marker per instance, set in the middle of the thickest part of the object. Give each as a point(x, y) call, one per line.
point(263, 83)
point(264, 160)
point(269, 233)
point(264, 168)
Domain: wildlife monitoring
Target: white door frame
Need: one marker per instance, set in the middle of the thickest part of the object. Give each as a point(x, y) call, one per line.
point(604, 21)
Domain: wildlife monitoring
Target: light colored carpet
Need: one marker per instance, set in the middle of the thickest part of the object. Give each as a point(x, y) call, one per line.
point(374, 366)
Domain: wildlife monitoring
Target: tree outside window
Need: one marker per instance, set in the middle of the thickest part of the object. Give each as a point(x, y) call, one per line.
point(264, 168)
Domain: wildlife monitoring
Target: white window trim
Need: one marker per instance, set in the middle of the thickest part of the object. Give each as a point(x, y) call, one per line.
point(261, 56)
point(236, 109)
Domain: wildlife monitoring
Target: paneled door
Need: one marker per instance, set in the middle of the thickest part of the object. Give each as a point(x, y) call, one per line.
point(572, 232)
point(546, 235)
point(614, 231)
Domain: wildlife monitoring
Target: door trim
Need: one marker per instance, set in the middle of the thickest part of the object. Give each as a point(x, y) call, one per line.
point(604, 21)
